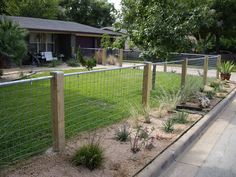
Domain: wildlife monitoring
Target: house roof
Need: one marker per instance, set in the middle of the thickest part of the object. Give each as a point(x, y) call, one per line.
point(57, 25)
point(112, 29)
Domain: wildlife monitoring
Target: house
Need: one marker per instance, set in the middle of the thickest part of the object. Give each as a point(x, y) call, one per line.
point(60, 37)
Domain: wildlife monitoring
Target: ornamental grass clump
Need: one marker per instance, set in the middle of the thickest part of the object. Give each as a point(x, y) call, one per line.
point(168, 126)
point(180, 118)
point(90, 155)
point(123, 133)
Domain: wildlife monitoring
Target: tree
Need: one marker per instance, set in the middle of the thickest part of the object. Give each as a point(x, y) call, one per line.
point(106, 41)
point(33, 8)
point(160, 27)
point(2, 7)
point(12, 41)
point(224, 25)
point(96, 13)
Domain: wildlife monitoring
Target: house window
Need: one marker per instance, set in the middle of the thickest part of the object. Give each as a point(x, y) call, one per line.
point(41, 42)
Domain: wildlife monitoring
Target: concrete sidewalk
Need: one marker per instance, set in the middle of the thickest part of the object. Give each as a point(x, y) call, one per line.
point(213, 154)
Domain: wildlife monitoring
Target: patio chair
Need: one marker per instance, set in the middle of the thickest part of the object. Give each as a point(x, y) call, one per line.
point(48, 56)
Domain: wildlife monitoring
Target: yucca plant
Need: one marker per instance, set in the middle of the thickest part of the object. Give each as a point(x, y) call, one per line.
point(225, 69)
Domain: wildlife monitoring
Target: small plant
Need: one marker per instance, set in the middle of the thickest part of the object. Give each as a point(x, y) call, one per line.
point(225, 69)
point(123, 133)
point(73, 63)
point(180, 118)
point(89, 155)
point(142, 137)
point(217, 85)
point(54, 63)
point(210, 95)
point(90, 63)
point(169, 126)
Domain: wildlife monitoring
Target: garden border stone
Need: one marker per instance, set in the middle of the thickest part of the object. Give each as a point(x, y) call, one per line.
point(168, 156)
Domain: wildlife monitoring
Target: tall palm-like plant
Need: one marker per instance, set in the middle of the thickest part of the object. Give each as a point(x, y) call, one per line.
point(12, 41)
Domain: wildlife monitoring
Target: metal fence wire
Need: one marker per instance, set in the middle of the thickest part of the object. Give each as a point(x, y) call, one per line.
point(25, 123)
point(96, 99)
point(92, 99)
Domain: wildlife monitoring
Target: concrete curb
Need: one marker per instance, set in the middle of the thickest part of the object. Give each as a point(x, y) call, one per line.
point(158, 165)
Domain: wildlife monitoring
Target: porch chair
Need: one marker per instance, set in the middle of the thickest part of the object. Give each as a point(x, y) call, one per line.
point(48, 56)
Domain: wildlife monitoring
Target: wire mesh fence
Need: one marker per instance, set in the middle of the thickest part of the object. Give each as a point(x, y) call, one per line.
point(93, 99)
point(132, 56)
point(25, 124)
point(96, 99)
point(166, 78)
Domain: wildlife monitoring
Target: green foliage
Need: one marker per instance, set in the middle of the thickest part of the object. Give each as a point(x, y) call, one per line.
point(142, 137)
point(106, 41)
point(98, 13)
point(89, 63)
point(226, 67)
point(210, 94)
point(36, 8)
point(168, 126)
point(168, 99)
point(223, 21)
point(73, 62)
point(12, 41)
point(180, 118)
point(54, 63)
point(161, 27)
point(123, 133)
point(119, 43)
point(1, 73)
point(90, 155)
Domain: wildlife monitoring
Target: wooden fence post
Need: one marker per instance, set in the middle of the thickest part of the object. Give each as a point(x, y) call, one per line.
point(57, 98)
point(165, 67)
point(184, 72)
point(218, 63)
point(104, 56)
point(147, 82)
point(121, 56)
point(154, 72)
point(205, 70)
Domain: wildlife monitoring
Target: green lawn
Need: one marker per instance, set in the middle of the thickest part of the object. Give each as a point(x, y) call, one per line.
point(91, 101)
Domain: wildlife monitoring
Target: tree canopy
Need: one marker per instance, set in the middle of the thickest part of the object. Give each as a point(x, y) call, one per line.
point(96, 13)
point(36, 8)
point(160, 27)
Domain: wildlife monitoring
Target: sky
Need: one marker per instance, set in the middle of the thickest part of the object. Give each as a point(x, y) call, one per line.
point(116, 3)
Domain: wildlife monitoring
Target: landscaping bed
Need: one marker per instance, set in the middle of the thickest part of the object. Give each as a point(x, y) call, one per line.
point(119, 157)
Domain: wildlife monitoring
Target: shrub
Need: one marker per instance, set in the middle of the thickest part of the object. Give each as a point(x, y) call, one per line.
point(90, 155)
point(123, 133)
point(90, 63)
point(12, 40)
point(54, 63)
point(142, 137)
point(73, 63)
point(180, 118)
point(169, 126)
